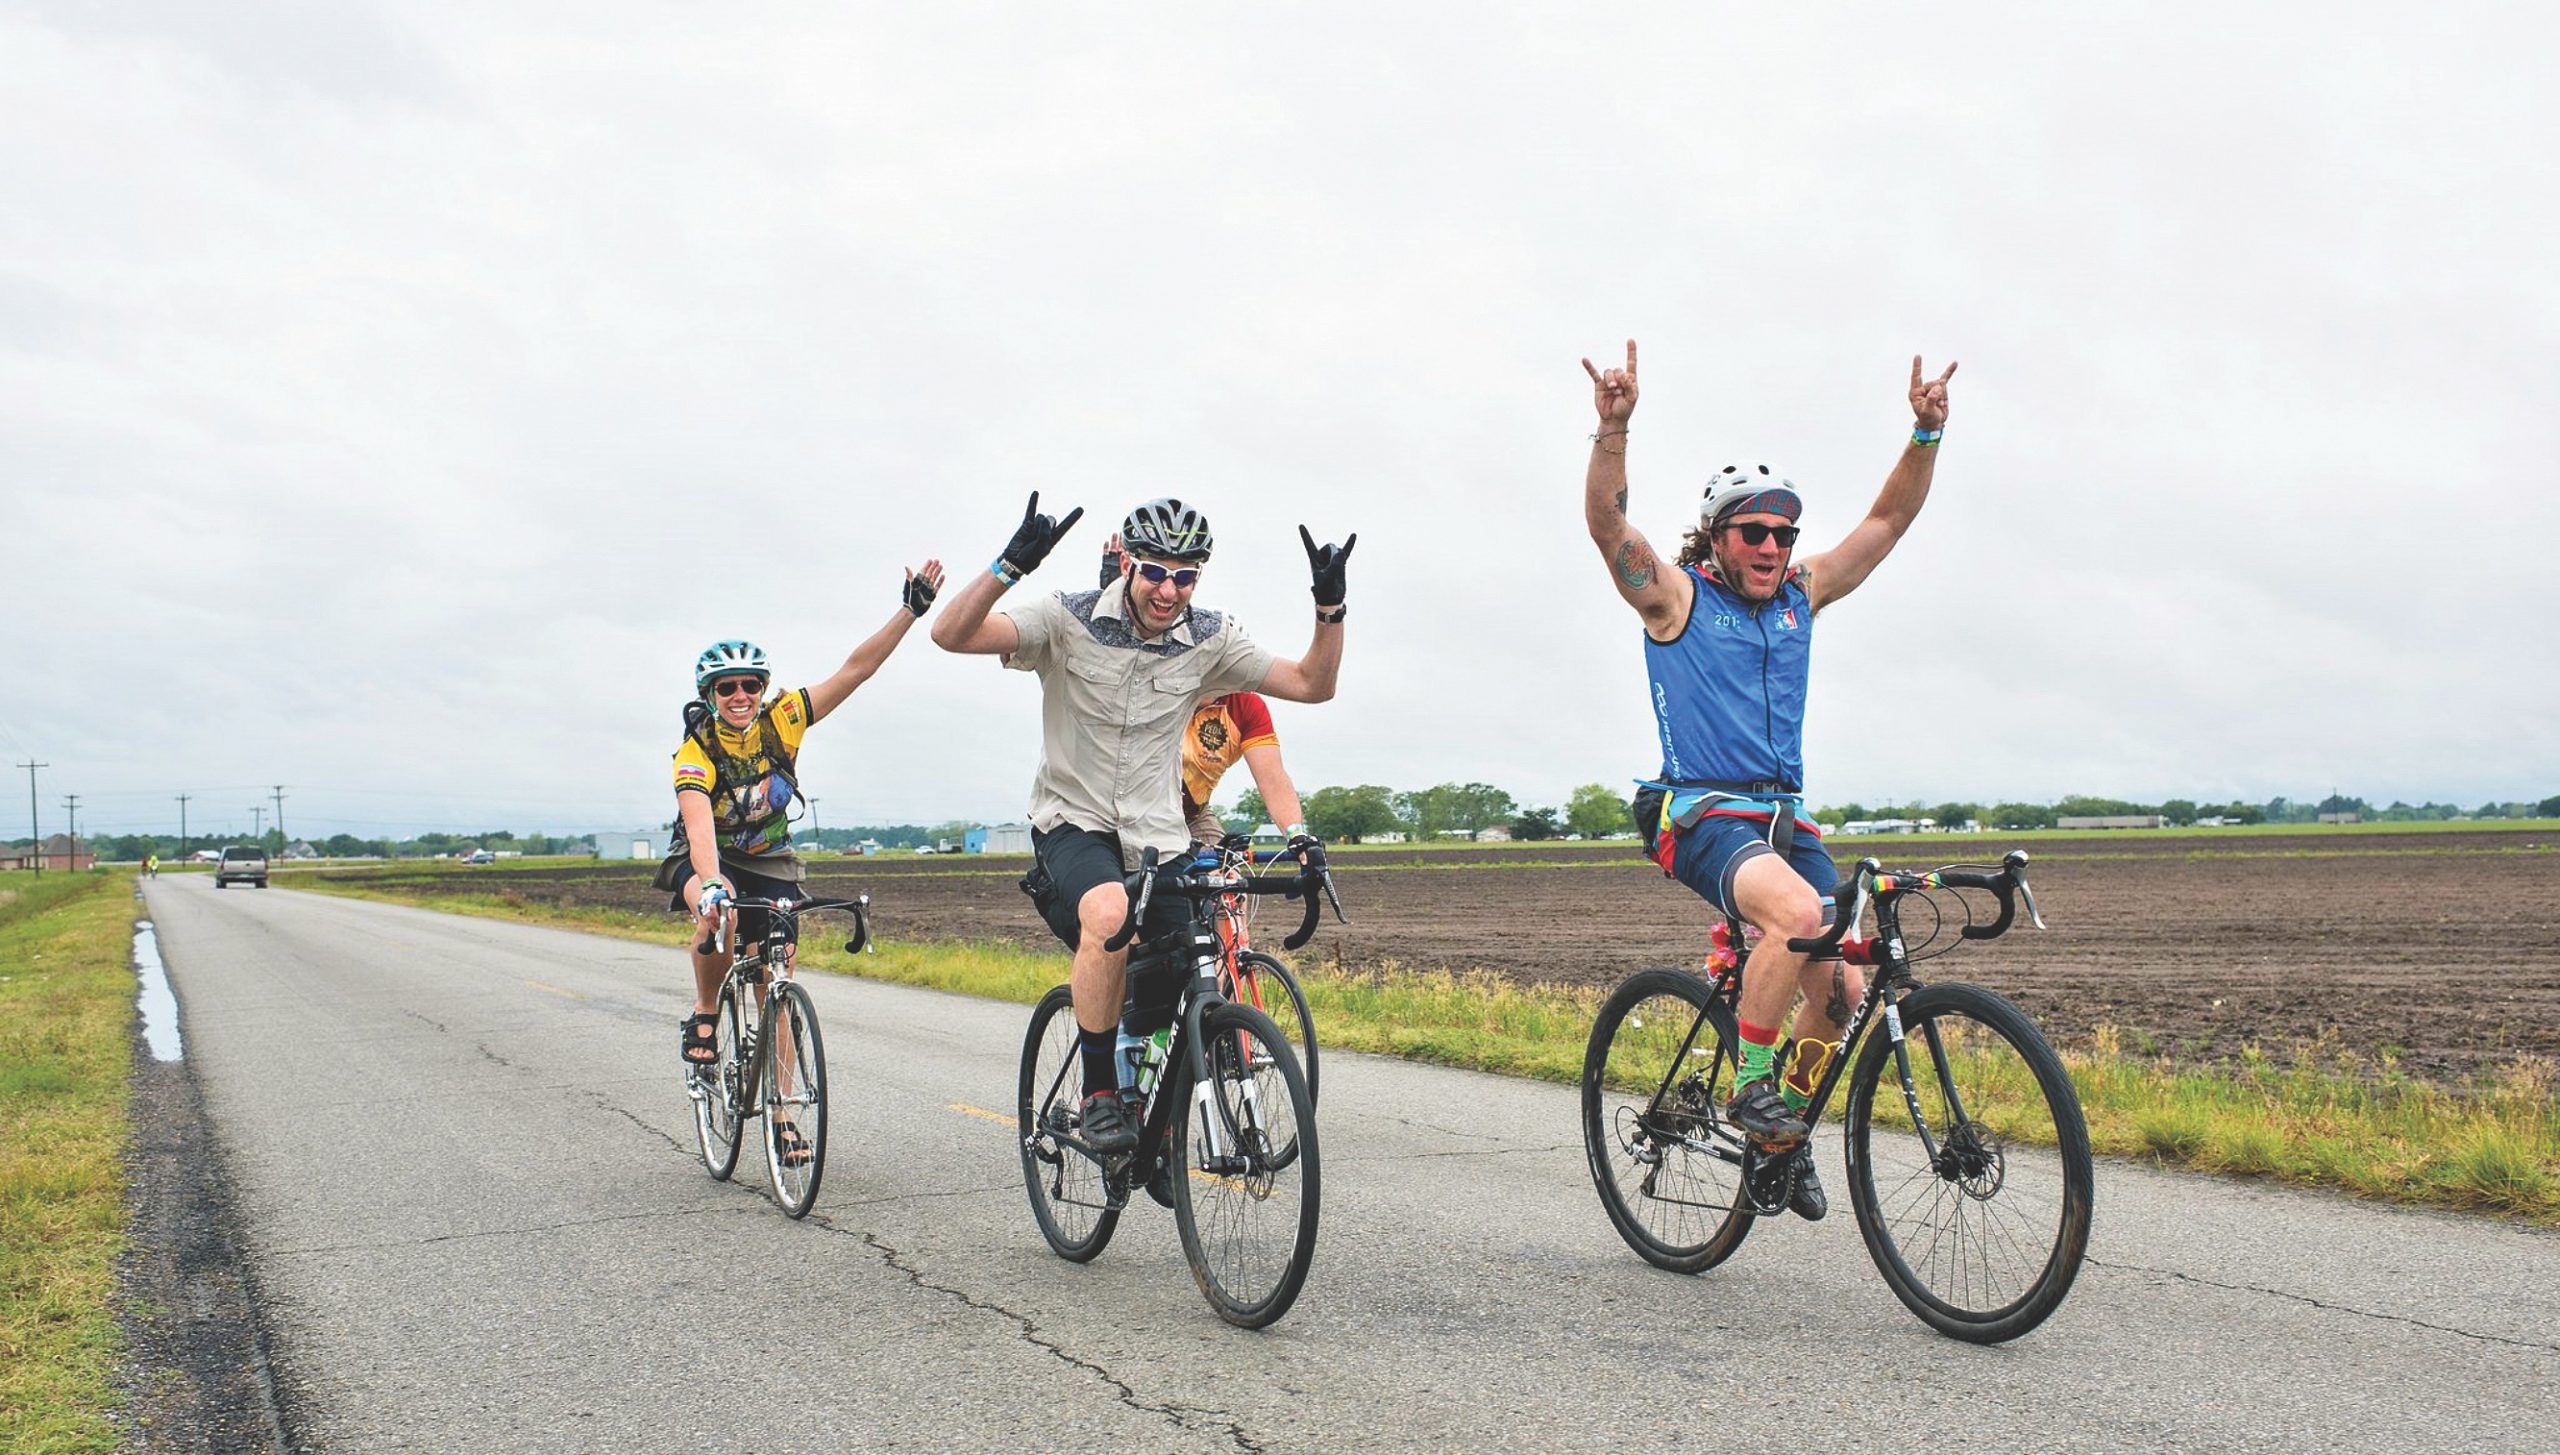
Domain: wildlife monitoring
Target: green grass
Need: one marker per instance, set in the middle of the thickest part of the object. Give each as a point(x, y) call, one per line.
point(2319, 1118)
point(66, 1009)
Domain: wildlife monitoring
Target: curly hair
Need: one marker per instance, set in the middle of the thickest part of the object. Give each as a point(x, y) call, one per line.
point(1693, 549)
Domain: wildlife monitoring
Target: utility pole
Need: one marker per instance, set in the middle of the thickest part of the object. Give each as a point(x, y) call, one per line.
point(814, 841)
point(71, 805)
point(182, 826)
point(258, 823)
point(280, 840)
point(35, 841)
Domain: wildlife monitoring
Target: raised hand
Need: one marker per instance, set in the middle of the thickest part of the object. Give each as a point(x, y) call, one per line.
point(1034, 537)
point(1929, 400)
point(1114, 560)
point(920, 588)
point(1614, 393)
point(1326, 564)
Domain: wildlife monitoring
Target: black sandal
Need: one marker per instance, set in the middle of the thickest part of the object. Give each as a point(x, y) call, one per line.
point(795, 1148)
point(701, 1033)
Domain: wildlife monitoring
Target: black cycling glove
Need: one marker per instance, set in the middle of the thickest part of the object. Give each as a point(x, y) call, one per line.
point(918, 594)
point(1326, 562)
point(1309, 849)
point(1033, 539)
point(1113, 564)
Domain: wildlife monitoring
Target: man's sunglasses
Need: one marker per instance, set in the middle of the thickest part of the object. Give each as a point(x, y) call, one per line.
point(1183, 579)
point(737, 686)
point(1757, 534)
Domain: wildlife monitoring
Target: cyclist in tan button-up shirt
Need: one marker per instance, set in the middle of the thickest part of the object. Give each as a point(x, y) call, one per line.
point(1120, 671)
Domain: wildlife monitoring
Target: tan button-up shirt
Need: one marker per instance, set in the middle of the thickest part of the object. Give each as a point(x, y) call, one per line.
point(1113, 707)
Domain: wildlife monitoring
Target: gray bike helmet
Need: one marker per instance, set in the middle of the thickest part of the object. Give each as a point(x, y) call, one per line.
point(722, 659)
point(1748, 489)
point(1166, 530)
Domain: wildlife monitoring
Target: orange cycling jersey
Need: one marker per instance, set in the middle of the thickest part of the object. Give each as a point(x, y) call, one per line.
point(1221, 729)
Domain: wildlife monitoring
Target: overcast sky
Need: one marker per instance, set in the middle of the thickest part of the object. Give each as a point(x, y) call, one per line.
point(399, 396)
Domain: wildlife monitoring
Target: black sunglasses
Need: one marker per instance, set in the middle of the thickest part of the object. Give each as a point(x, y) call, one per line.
point(736, 685)
point(1183, 579)
point(1755, 533)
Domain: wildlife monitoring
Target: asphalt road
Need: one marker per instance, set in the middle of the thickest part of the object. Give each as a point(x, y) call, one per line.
point(466, 1172)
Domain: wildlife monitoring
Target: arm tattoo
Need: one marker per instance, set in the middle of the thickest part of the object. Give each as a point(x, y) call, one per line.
point(1622, 501)
point(1635, 564)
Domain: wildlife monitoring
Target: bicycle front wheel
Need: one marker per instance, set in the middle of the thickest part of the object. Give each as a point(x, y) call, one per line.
point(1246, 1211)
point(1069, 1194)
point(795, 1098)
point(1969, 1164)
point(1654, 1083)
point(717, 1095)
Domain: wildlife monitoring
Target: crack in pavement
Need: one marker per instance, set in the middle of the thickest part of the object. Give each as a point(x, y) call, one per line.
point(1340, 1161)
point(561, 1226)
point(1180, 1416)
point(2325, 1306)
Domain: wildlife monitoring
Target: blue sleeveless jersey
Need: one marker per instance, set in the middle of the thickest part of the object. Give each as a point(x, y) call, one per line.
point(1728, 692)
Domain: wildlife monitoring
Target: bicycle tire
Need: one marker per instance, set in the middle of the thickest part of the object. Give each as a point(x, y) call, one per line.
point(717, 1127)
point(1247, 1216)
point(1298, 1019)
point(1670, 1175)
point(791, 1023)
point(1981, 1243)
point(1069, 1193)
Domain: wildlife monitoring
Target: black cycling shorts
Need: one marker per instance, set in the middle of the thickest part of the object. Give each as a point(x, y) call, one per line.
point(751, 922)
point(1075, 862)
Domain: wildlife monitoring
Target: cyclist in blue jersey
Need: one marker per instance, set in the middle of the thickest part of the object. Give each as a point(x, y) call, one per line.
point(1728, 648)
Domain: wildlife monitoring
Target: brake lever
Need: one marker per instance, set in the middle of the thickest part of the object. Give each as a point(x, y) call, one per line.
point(2029, 895)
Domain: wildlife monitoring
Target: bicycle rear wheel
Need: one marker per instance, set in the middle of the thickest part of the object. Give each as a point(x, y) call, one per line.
point(1259, 975)
point(1069, 1194)
point(1654, 1083)
point(795, 1097)
point(717, 1094)
point(1979, 1215)
point(1247, 1214)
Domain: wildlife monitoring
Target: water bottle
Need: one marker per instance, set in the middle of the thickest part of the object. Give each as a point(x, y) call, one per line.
point(1128, 1056)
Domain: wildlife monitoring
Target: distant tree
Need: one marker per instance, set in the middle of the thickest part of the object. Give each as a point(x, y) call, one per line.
point(1474, 806)
point(1852, 812)
point(1535, 824)
point(1349, 815)
point(1253, 810)
point(2022, 816)
point(2180, 811)
point(2547, 808)
point(2340, 803)
point(1954, 815)
point(2243, 812)
point(1596, 810)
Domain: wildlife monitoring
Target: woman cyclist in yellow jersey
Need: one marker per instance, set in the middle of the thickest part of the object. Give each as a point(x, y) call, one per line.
point(735, 778)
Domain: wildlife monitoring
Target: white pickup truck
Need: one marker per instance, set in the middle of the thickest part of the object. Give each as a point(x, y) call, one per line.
point(246, 863)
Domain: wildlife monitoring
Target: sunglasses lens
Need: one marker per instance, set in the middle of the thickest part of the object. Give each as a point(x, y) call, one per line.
point(1757, 534)
point(736, 686)
point(1157, 575)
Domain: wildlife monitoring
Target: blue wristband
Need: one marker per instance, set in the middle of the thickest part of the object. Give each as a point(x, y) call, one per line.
point(1927, 436)
point(997, 567)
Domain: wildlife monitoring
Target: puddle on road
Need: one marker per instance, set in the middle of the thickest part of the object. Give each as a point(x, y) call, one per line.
point(159, 1003)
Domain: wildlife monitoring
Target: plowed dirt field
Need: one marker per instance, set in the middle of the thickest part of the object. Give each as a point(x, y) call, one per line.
point(2442, 948)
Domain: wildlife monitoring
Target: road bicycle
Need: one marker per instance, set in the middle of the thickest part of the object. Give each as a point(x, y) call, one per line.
point(1970, 1175)
point(1227, 1132)
point(1247, 975)
point(771, 1063)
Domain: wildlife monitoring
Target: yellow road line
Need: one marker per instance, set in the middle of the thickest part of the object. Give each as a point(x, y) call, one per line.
point(981, 1113)
point(556, 990)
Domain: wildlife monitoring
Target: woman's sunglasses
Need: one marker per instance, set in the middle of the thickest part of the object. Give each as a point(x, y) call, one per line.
point(737, 686)
point(1183, 579)
point(1757, 534)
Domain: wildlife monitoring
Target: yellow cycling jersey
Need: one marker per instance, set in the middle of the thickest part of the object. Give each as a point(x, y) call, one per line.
point(747, 808)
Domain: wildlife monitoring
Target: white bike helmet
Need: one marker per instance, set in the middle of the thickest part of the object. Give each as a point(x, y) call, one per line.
point(722, 659)
point(1166, 530)
point(1736, 489)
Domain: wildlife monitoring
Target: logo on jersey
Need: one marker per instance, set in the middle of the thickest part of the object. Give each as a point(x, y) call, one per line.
point(1787, 621)
point(693, 771)
point(1213, 733)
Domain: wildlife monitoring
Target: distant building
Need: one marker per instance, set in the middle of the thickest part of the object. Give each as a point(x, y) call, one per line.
point(1003, 838)
point(1494, 834)
point(55, 853)
point(1886, 825)
point(631, 844)
point(2114, 821)
point(2342, 818)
